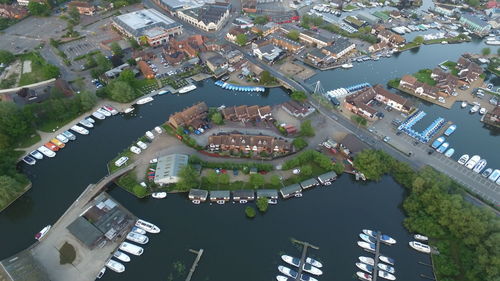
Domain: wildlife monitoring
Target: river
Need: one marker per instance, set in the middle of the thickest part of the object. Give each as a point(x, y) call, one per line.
point(237, 248)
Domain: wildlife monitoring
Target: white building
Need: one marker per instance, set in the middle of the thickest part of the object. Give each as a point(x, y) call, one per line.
point(168, 168)
point(267, 52)
point(210, 17)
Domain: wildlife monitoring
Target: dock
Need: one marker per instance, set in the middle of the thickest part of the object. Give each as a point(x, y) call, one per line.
point(195, 263)
point(305, 245)
point(377, 254)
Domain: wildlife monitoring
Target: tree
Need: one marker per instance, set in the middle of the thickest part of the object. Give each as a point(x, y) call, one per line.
point(127, 76)
point(212, 177)
point(373, 163)
point(262, 204)
point(473, 3)
point(13, 123)
point(359, 120)
point(6, 57)
point(266, 78)
point(498, 51)
point(293, 35)
point(260, 20)
point(256, 180)
point(74, 14)
point(133, 43)
point(38, 9)
point(275, 180)
point(188, 178)
point(299, 143)
point(121, 92)
point(250, 212)
point(486, 51)
point(306, 129)
point(306, 170)
point(241, 39)
point(88, 100)
point(338, 168)
point(217, 118)
point(419, 40)
point(299, 96)
point(224, 179)
point(116, 49)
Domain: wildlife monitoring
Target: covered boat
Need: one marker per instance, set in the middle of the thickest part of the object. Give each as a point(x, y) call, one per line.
point(486, 173)
point(387, 239)
point(370, 232)
point(364, 276)
point(305, 277)
point(314, 262)
point(438, 142)
point(386, 267)
point(387, 259)
point(472, 161)
point(367, 260)
point(480, 166)
point(463, 159)
point(311, 269)
point(291, 260)
point(442, 148)
point(367, 238)
point(29, 160)
point(495, 175)
point(450, 130)
point(365, 267)
point(36, 154)
point(121, 256)
point(149, 227)
point(420, 247)
point(366, 245)
point(137, 238)
point(449, 152)
point(131, 248)
point(288, 272)
point(386, 275)
point(115, 266)
point(138, 230)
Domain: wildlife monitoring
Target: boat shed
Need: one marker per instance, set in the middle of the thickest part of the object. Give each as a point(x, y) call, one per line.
point(86, 232)
point(267, 193)
point(327, 178)
point(243, 194)
point(291, 190)
point(312, 182)
point(216, 195)
point(198, 194)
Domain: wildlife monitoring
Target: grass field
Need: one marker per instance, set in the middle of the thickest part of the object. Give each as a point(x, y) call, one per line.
point(40, 69)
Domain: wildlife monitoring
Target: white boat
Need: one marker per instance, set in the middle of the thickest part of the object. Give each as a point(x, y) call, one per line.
point(311, 269)
point(135, 149)
point(144, 100)
point(370, 232)
point(159, 195)
point(80, 130)
point(386, 275)
point(291, 260)
point(482, 111)
point(367, 238)
point(463, 159)
point(150, 135)
point(420, 247)
point(272, 201)
point(221, 202)
point(493, 42)
point(464, 104)
point(421, 237)
point(101, 273)
point(495, 175)
point(128, 110)
point(386, 267)
point(138, 230)
point(36, 154)
point(158, 130)
point(314, 262)
point(449, 152)
point(104, 112)
point(62, 138)
point(137, 238)
point(366, 245)
point(47, 152)
point(69, 135)
point(365, 267)
point(142, 145)
point(90, 119)
point(298, 195)
point(474, 109)
point(131, 248)
point(387, 259)
point(115, 266)
point(472, 161)
point(387, 239)
point(288, 272)
point(42, 232)
point(480, 166)
point(282, 278)
point(347, 65)
point(29, 160)
point(487, 172)
point(121, 256)
point(367, 260)
point(243, 201)
point(98, 115)
point(305, 277)
point(111, 109)
point(86, 123)
point(149, 227)
point(196, 202)
point(186, 89)
point(364, 276)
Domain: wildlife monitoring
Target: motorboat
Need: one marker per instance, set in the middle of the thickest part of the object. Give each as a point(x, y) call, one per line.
point(131, 248)
point(104, 112)
point(101, 273)
point(305, 277)
point(298, 195)
point(472, 162)
point(149, 227)
point(144, 100)
point(196, 202)
point(186, 89)
point(438, 142)
point(128, 110)
point(482, 111)
point(153, 161)
point(387, 259)
point(464, 104)
point(98, 115)
point(386, 267)
point(51, 146)
point(47, 152)
point(122, 160)
point(162, 92)
point(138, 230)
point(314, 262)
point(221, 202)
point(42, 232)
point(386, 275)
point(29, 160)
point(495, 175)
point(367, 260)
point(493, 42)
point(449, 152)
point(62, 138)
point(366, 245)
point(420, 247)
point(480, 166)
point(288, 272)
point(463, 159)
point(311, 269)
point(159, 195)
point(498, 181)
point(80, 130)
point(421, 237)
point(347, 65)
point(442, 148)
point(291, 260)
point(142, 145)
point(36, 154)
point(370, 232)
point(137, 238)
point(364, 276)
point(272, 201)
point(86, 123)
point(486, 173)
point(384, 238)
point(121, 256)
point(365, 267)
point(69, 135)
point(367, 238)
point(90, 119)
point(111, 109)
point(158, 130)
point(135, 149)
point(150, 135)
point(243, 201)
point(450, 130)
point(283, 278)
point(115, 266)
point(475, 108)
point(57, 142)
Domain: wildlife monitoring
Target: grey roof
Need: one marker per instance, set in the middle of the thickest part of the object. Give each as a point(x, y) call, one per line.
point(353, 143)
point(217, 59)
point(170, 165)
point(139, 22)
point(22, 267)
point(244, 193)
point(172, 5)
point(269, 193)
point(339, 45)
point(317, 36)
point(215, 194)
point(368, 17)
point(327, 176)
point(475, 19)
point(208, 13)
point(317, 53)
point(291, 189)
point(282, 38)
point(309, 182)
point(198, 193)
point(85, 231)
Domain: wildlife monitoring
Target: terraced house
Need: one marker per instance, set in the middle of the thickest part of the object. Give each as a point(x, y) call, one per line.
point(248, 143)
point(210, 17)
point(193, 116)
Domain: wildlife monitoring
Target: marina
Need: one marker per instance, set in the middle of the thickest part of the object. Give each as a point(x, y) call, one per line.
point(373, 267)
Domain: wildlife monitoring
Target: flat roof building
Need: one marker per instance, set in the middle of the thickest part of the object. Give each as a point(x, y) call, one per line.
point(475, 24)
point(168, 168)
point(216, 195)
point(327, 178)
point(210, 17)
point(198, 194)
point(291, 190)
point(150, 24)
point(312, 182)
point(243, 194)
point(267, 193)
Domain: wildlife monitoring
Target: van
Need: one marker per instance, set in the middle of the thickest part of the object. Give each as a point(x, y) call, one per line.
point(121, 161)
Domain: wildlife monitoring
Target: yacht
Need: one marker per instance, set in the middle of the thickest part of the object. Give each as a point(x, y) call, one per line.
point(137, 238)
point(385, 275)
point(438, 142)
point(101, 273)
point(365, 267)
point(159, 195)
point(29, 160)
point(387, 259)
point(272, 201)
point(86, 123)
point(442, 148)
point(472, 162)
point(305, 277)
point(370, 232)
point(62, 138)
point(463, 159)
point(144, 100)
point(69, 135)
point(366, 245)
point(131, 248)
point(482, 111)
point(128, 110)
point(90, 119)
point(420, 247)
point(80, 130)
point(495, 175)
point(421, 237)
point(47, 152)
point(347, 65)
point(98, 115)
point(186, 89)
point(115, 266)
point(288, 272)
point(480, 166)
point(386, 267)
point(367, 260)
point(364, 276)
point(42, 232)
point(387, 239)
point(36, 154)
point(291, 260)
point(450, 130)
point(475, 108)
point(314, 262)
point(487, 172)
point(464, 104)
point(367, 238)
point(121, 256)
point(138, 230)
point(111, 109)
point(149, 227)
point(104, 112)
point(311, 269)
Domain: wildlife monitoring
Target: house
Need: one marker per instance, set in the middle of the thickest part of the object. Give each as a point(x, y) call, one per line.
point(245, 113)
point(314, 39)
point(13, 11)
point(83, 8)
point(475, 24)
point(234, 56)
point(249, 6)
point(265, 29)
point(219, 195)
point(468, 71)
point(236, 142)
point(146, 70)
point(493, 117)
point(233, 33)
point(442, 11)
point(243, 194)
point(339, 48)
point(318, 57)
point(217, 62)
point(168, 168)
point(360, 102)
point(198, 194)
point(290, 191)
point(209, 17)
point(285, 43)
point(268, 53)
point(327, 178)
point(378, 47)
point(193, 116)
point(395, 14)
point(447, 83)
point(267, 193)
point(391, 38)
point(391, 99)
point(312, 182)
point(297, 109)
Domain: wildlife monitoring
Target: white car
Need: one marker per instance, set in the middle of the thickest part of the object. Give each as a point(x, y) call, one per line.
point(154, 160)
point(296, 171)
point(142, 145)
point(441, 100)
point(135, 149)
point(158, 130)
point(121, 161)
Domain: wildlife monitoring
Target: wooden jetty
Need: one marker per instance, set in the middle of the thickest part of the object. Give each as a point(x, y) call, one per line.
point(305, 245)
point(377, 254)
point(195, 263)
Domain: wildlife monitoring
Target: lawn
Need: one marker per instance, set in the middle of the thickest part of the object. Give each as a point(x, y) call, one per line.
point(40, 69)
point(49, 126)
point(29, 141)
point(424, 76)
point(452, 67)
point(111, 164)
point(350, 7)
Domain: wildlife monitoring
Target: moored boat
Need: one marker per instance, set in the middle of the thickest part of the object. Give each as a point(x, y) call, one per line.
point(137, 238)
point(365, 267)
point(90, 119)
point(480, 166)
point(291, 260)
point(115, 266)
point(47, 152)
point(69, 135)
point(29, 160)
point(347, 65)
point(186, 89)
point(305, 277)
point(386, 267)
point(421, 237)
point(149, 227)
point(101, 273)
point(449, 152)
point(288, 272)
point(438, 142)
point(162, 92)
point(36, 154)
point(370, 232)
point(138, 230)
point(128, 110)
point(450, 130)
point(463, 159)
point(475, 108)
point(472, 161)
point(51, 146)
point(80, 130)
point(364, 276)
point(159, 195)
point(495, 175)
point(387, 259)
point(131, 248)
point(98, 115)
point(442, 148)
point(62, 138)
point(311, 269)
point(486, 173)
point(367, 260)
point(386, 275)
point(464, 104)
point(367, 238)
point(42, 232)
point(366, 245)
point(57, 142)
point(150, 135)
point(121, 256)
point(482, 111)
point(387, 239)
point(144, 100)
point(111, 109)
point(86, 123)
point(420, 247)
point(104, 112)
point(314, 262)
point(283, 278)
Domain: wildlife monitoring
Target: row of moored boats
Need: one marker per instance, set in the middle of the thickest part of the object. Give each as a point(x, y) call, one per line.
point(310, 267)
point(384, 265)
point(478, 165)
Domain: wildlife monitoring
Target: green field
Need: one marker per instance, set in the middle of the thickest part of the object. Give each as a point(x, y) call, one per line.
point(40, 69)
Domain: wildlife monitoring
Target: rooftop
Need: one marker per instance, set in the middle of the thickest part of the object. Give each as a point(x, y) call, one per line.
point(170, 165)
point(139, 22)
point(339, 45)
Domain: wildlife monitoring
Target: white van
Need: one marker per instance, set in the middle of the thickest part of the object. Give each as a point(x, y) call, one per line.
point(121, 161)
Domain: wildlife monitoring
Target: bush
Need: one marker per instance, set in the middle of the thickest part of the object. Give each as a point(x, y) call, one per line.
point(250, 212)
point(262, 204)
point(299, 143)
point(306, 129)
